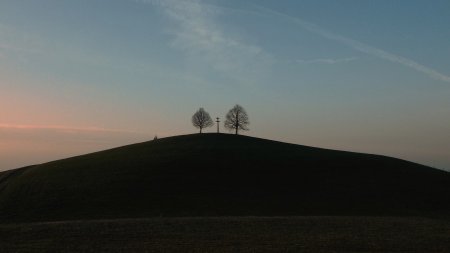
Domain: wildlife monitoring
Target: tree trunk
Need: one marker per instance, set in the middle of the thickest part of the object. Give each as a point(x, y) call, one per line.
point(200, 130)
point(237, 122)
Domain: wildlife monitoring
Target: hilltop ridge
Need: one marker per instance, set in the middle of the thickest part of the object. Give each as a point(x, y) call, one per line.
point(221, 175)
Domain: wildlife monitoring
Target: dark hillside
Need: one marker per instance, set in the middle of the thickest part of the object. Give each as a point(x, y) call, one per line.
point(221, 175)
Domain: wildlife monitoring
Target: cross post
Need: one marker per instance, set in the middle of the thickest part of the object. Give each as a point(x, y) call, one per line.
point(218, 121)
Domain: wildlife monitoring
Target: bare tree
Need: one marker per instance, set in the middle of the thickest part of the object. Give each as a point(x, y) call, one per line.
point(201, 119)
point(237, 119)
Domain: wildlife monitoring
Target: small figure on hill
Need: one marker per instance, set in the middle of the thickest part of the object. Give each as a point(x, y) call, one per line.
point(201, 119)
point(237, 119)
point(156, 137)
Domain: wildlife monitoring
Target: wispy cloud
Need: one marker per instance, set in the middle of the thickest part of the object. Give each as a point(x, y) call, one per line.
point(11, 47)
point(22, 145)
point(12, 40)
point(326, 60)
point(67, 135)
point(359, 46)
point(65, 128)
point(203, 39)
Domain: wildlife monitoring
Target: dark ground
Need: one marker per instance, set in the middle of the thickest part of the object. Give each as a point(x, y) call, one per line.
point(130, 199)
point(231, 234)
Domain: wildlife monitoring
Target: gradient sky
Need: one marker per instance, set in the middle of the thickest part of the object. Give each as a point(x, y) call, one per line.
point(78, 76)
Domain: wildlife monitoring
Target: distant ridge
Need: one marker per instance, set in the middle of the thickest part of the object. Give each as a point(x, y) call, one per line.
point(221, 175)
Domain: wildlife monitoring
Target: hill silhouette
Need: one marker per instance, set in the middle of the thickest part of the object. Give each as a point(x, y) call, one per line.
point(221, 175)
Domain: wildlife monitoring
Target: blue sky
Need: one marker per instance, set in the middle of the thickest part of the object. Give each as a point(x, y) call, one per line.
point(85, 75)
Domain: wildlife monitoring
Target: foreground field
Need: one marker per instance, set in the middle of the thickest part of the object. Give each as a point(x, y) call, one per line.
point(231, 234)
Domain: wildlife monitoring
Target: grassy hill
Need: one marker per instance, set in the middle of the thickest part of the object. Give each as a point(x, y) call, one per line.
point(221, 175)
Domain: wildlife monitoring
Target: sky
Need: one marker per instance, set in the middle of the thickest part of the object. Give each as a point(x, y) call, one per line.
point(78, 76)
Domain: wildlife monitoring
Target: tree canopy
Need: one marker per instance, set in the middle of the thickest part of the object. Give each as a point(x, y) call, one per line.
point(237, 119)
point(201, 119)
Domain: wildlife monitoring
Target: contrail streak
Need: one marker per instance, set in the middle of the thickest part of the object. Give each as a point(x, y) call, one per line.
point(362, 47)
